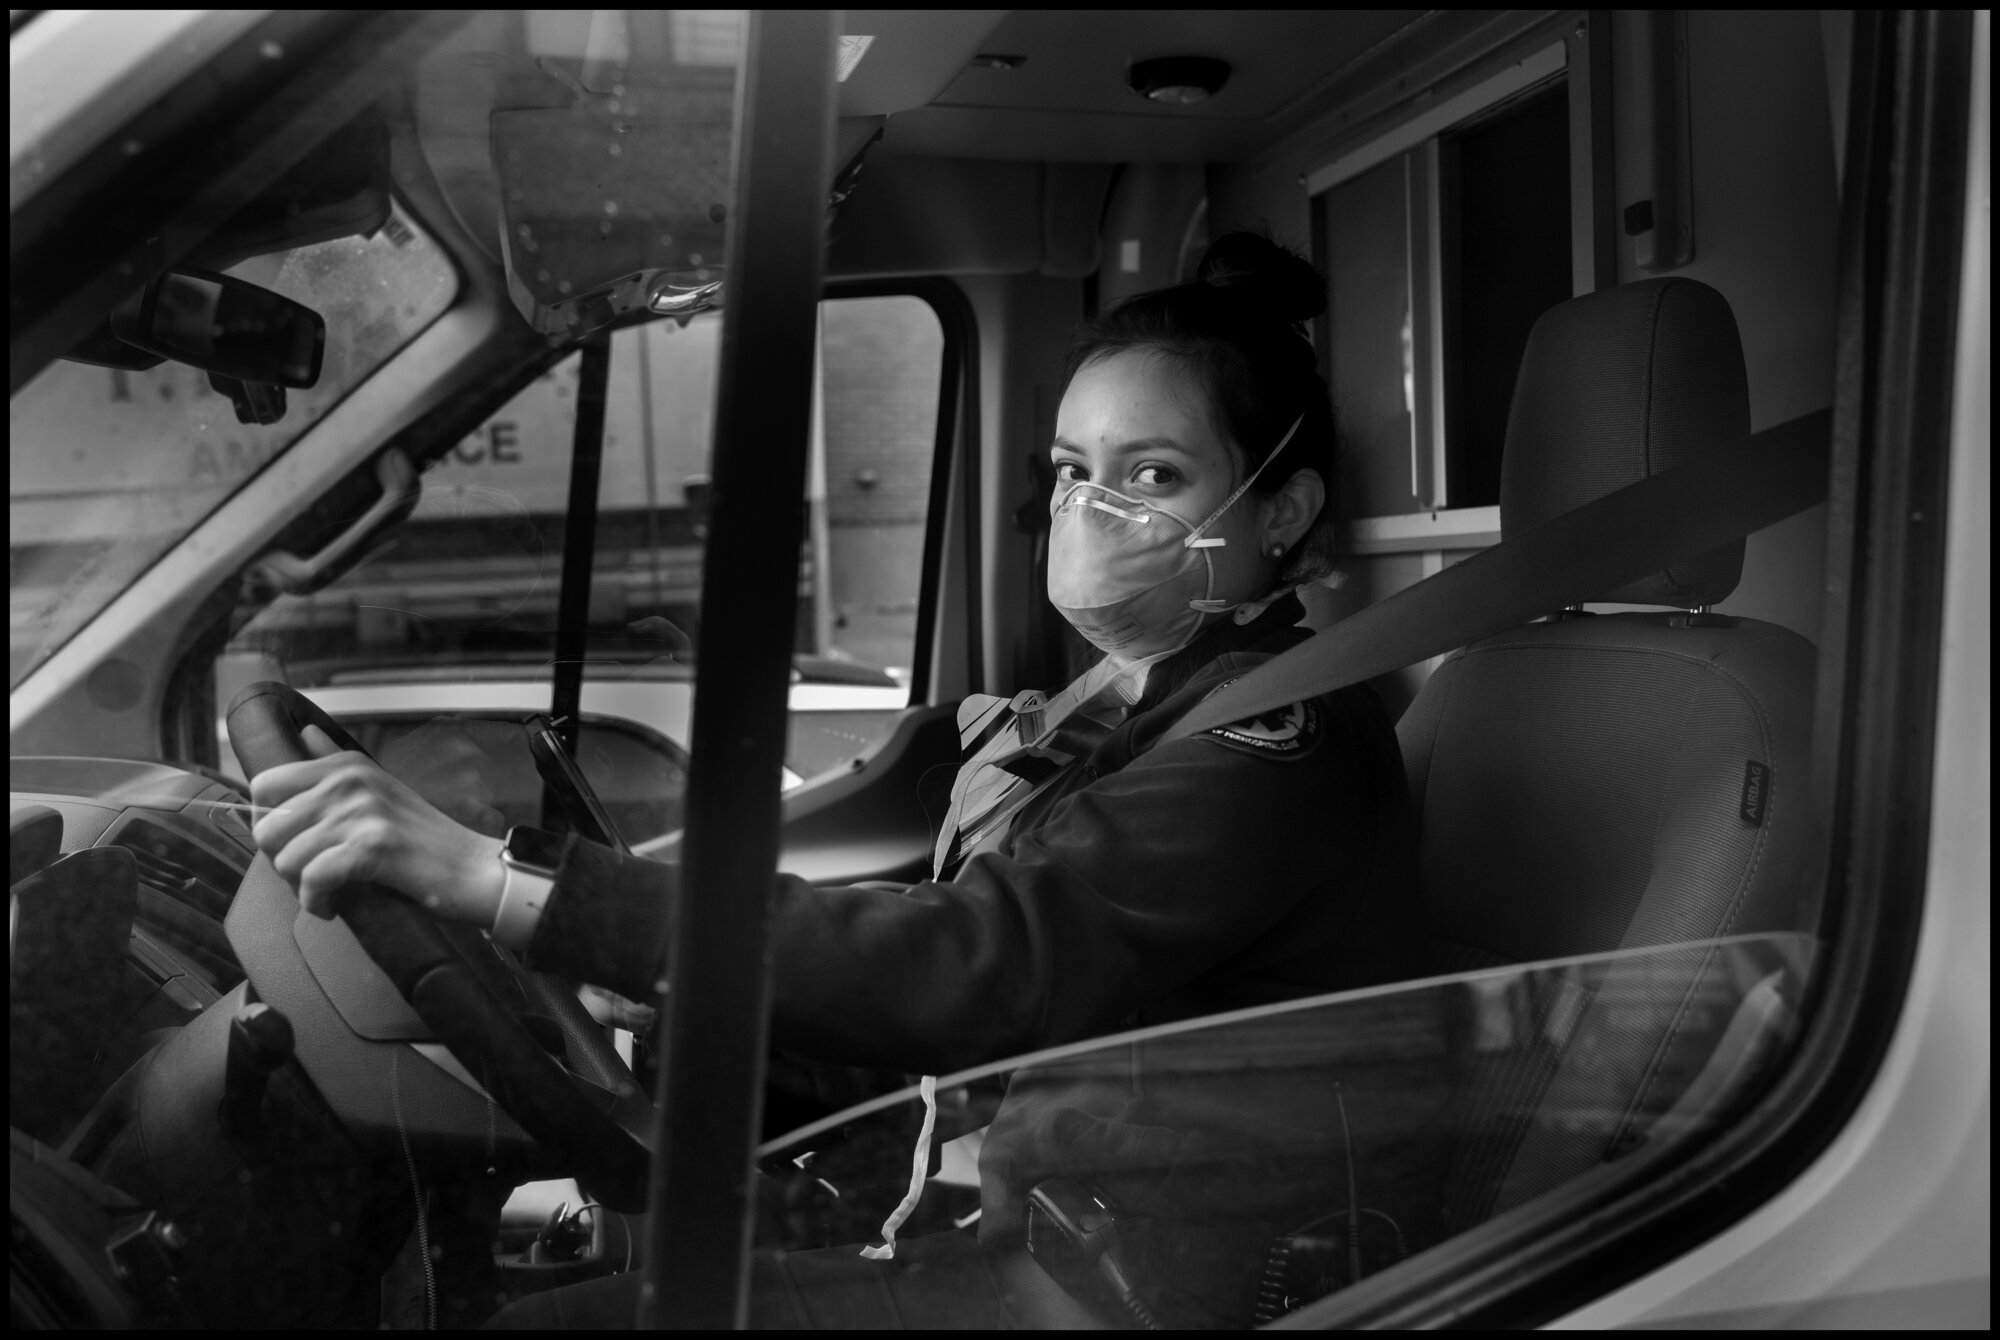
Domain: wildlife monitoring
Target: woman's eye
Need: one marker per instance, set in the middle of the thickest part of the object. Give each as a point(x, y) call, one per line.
point(1155, 476)
point(1069, 472)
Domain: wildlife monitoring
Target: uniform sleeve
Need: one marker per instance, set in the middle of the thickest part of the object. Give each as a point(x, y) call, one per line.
point(1133, 886)
point(606, 920)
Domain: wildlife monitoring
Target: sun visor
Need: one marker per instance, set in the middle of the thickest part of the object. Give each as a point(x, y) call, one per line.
point(616, 202)
point(614, 205)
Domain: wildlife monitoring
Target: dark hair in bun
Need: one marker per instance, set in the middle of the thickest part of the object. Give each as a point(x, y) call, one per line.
point(1267, 280)
point(1239, 329)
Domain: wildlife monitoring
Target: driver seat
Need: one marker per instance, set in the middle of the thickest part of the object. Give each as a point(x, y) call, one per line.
point(1592, 783)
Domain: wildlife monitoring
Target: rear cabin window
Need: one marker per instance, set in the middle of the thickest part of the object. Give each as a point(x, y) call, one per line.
point(1438, 260)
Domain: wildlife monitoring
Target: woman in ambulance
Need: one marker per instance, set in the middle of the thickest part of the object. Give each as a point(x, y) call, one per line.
point(1087, 879)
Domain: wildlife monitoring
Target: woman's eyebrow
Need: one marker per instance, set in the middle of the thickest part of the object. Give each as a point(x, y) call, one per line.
point(1135, 446)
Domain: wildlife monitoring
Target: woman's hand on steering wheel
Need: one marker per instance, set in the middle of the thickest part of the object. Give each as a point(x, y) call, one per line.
point(338, 818)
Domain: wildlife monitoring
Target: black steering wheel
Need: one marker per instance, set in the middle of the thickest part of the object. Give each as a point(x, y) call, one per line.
point(459, 985)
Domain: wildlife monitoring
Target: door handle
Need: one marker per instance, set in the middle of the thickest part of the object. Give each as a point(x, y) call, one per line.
point(288, 574)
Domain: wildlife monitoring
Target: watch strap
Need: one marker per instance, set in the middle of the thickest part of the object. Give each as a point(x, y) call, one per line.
point(522, 896)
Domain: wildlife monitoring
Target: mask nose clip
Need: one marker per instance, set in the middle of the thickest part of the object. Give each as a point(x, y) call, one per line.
point(1142, 517)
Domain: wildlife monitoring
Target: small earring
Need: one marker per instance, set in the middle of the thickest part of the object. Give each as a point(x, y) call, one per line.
point(1277, 551)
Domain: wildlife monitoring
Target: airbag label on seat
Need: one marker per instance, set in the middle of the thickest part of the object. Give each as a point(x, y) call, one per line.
point(1756, 788)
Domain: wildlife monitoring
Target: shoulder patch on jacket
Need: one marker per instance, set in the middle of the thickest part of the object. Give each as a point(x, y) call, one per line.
point(1283, 732)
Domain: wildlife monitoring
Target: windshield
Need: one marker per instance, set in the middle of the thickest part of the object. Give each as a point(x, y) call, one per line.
point(108, 468)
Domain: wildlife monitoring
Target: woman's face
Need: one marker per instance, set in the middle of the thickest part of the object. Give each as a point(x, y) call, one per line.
point(1132, 422)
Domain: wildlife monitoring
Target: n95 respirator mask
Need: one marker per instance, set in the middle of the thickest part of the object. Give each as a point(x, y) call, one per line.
point(1135, 579)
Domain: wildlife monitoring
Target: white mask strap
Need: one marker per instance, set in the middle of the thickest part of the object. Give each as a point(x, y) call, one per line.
point(1195, 539)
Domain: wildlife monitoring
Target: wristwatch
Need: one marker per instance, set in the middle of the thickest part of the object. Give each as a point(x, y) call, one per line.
point(528, 859)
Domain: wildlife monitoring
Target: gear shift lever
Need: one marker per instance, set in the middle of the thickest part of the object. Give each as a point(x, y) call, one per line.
point(260, 1040)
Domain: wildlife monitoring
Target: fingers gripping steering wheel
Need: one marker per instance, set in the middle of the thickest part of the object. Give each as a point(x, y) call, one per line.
point(458, 984)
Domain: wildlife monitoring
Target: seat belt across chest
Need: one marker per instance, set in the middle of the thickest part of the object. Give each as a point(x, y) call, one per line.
point(1719, 496)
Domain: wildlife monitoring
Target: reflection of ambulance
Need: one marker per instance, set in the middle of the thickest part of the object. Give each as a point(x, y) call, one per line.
point(656, 429)
point(510, 479)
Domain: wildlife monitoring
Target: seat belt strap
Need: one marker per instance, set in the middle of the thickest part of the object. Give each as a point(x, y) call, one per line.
point(1719, 496)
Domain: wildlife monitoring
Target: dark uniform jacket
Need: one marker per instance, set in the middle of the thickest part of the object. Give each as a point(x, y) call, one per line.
point(1259, 862)
point(1256, 862)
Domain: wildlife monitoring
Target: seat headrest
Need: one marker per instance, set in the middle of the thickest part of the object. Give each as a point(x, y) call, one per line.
point(1615, 387)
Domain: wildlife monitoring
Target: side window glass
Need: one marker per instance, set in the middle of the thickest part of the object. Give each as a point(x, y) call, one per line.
point(881, 366)
point(454, 613)
point(874, 439)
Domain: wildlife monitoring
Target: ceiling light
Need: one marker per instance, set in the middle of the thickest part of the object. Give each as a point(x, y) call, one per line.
point(1178, 79)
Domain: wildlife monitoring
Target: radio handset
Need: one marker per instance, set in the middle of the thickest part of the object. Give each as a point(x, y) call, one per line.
point(1073, 1236)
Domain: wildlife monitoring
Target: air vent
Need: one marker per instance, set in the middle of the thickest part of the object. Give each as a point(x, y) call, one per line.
point(187, 880)
point(181, 884)
point(177, 863)
point(199, 941)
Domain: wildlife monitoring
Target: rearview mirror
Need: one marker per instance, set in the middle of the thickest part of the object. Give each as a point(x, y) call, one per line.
point(225, 326)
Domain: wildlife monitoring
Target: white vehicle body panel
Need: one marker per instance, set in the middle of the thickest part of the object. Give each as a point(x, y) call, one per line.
point(1892, 1225)
point(82, 76)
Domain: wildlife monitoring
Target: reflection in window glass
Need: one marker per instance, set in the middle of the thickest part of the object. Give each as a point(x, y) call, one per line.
point(107, 469)
point(1242, 1167)
point(1363, 241)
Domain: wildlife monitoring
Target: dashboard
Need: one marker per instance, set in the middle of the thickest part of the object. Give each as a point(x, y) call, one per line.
point(189, 841)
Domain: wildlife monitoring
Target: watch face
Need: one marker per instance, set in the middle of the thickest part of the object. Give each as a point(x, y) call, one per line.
point(534, 847)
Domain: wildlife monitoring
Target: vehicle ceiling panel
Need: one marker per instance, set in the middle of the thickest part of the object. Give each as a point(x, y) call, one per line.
point(1069, 100)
